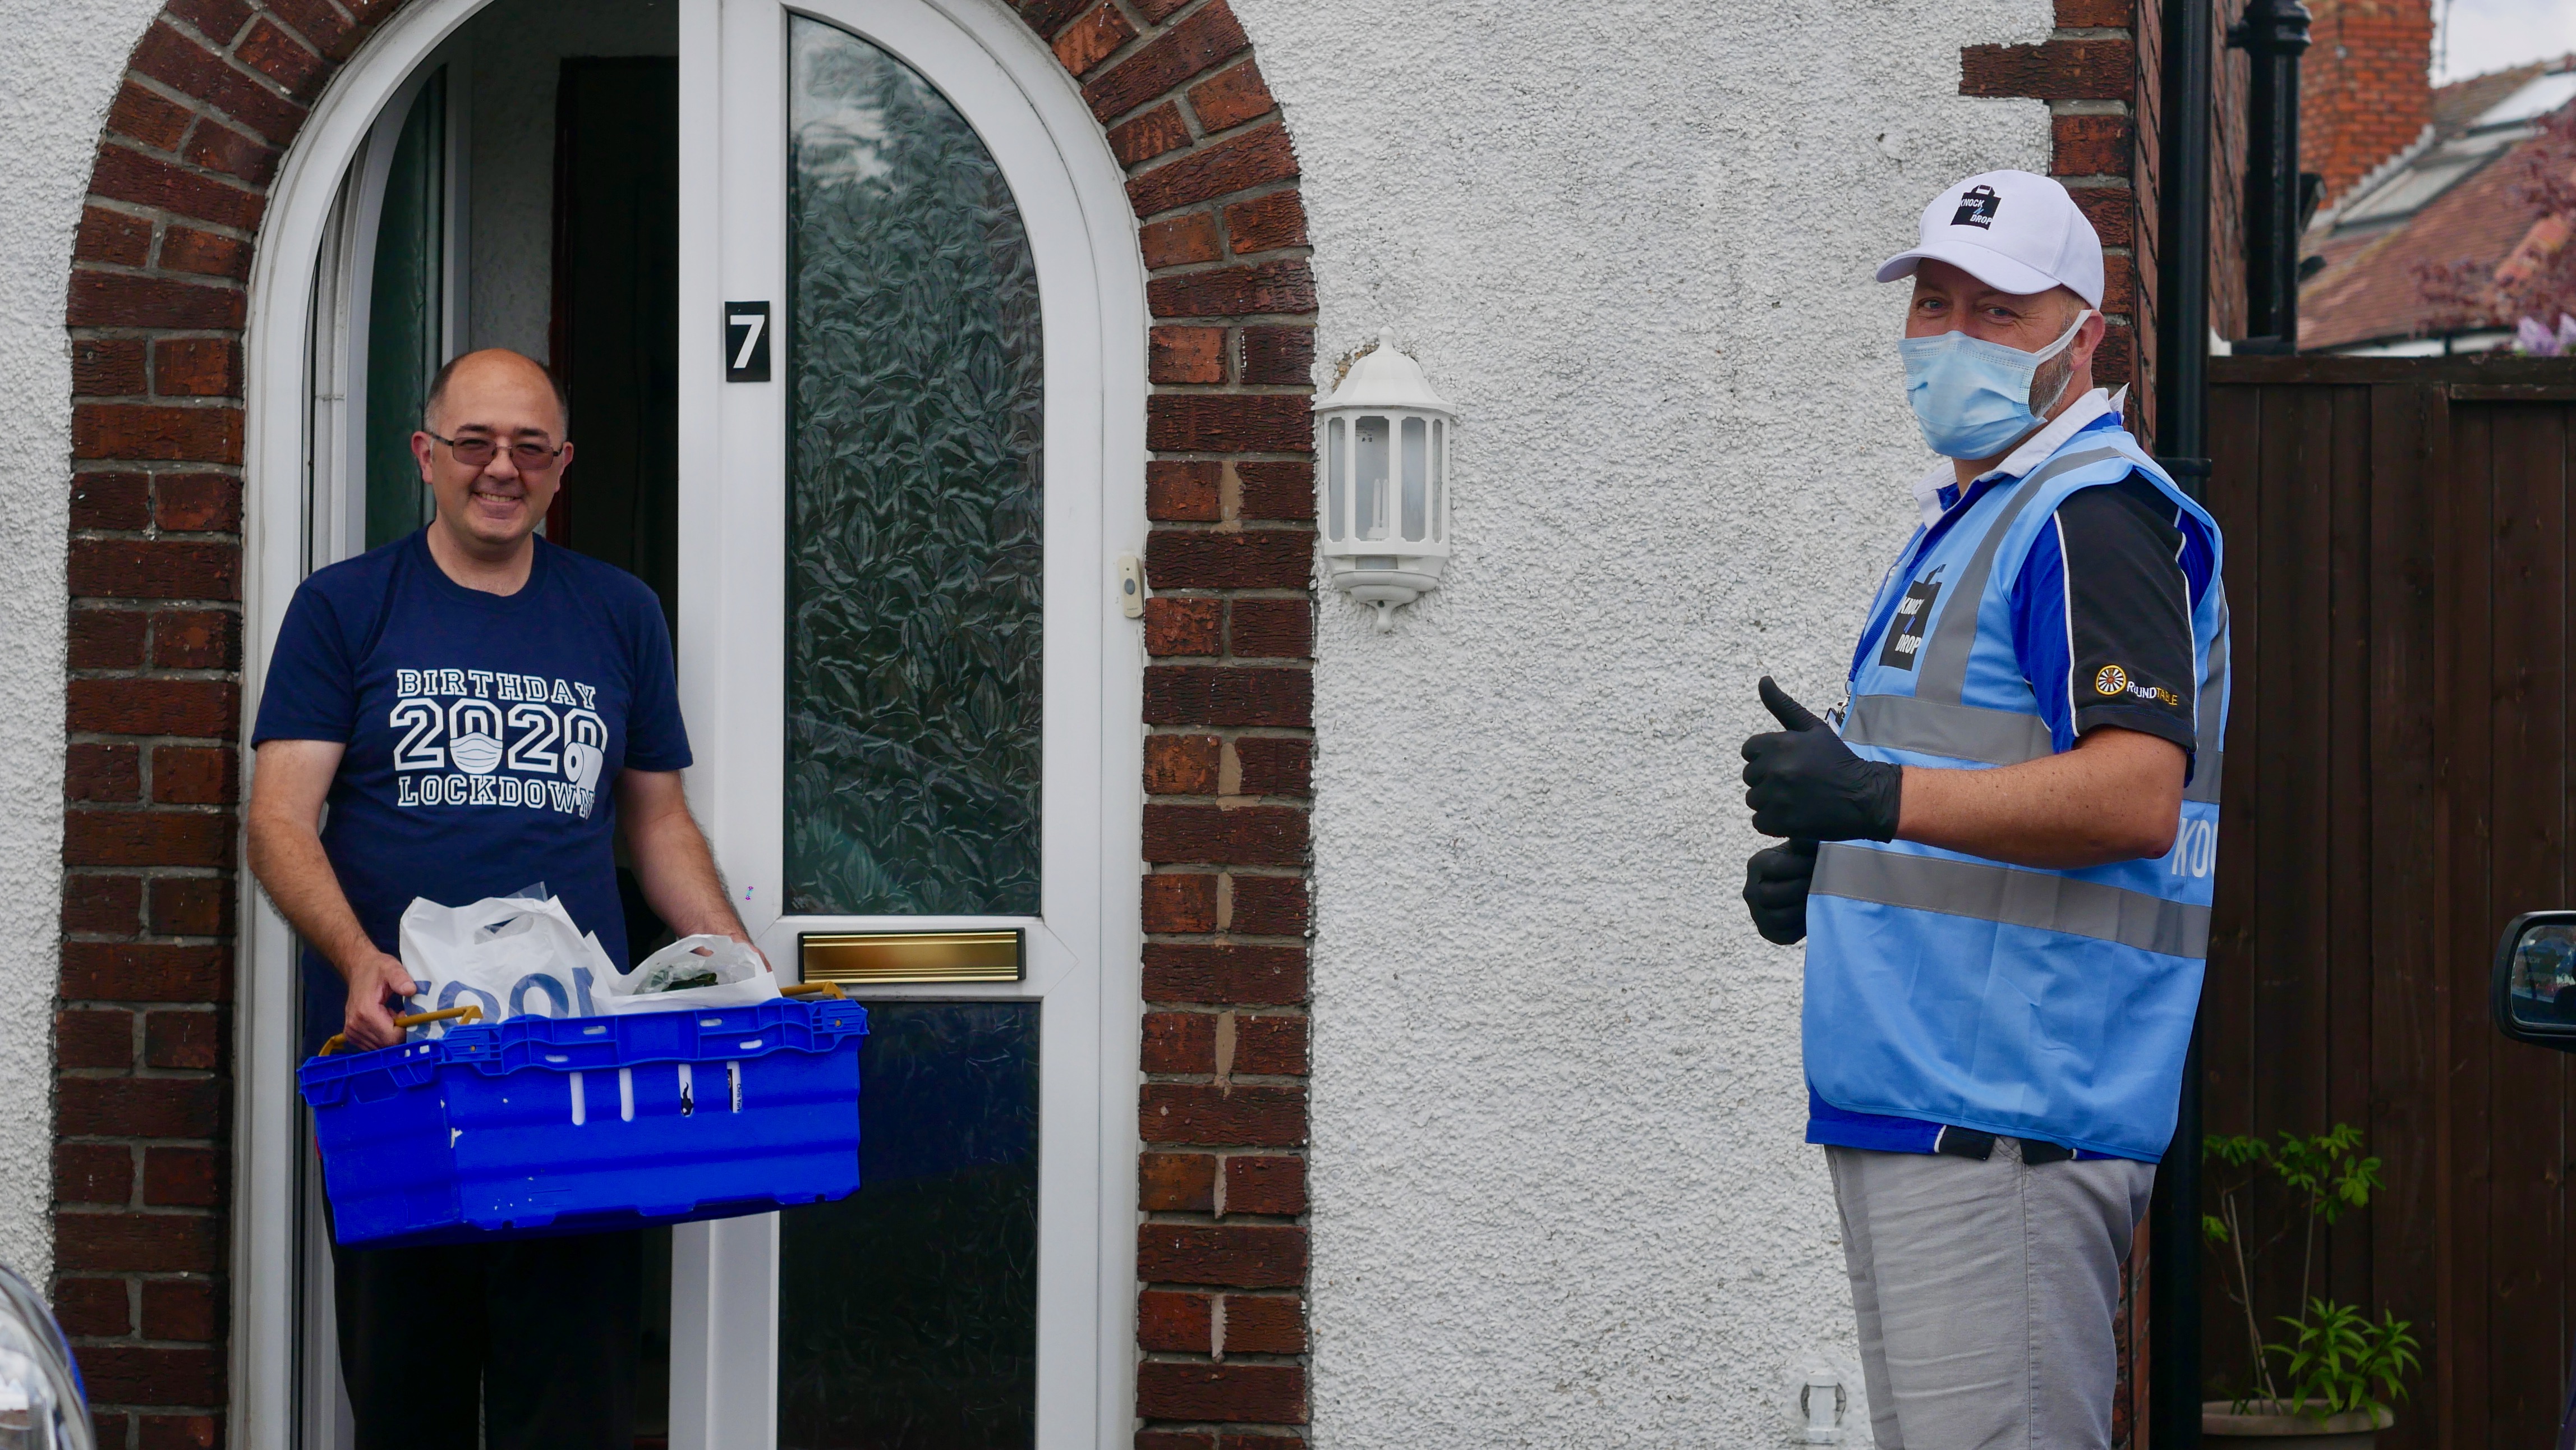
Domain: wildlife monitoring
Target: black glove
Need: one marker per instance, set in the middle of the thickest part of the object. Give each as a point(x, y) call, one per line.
point(1806, 783)
point(1775, 890)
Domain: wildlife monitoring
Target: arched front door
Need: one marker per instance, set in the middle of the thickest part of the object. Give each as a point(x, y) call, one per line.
point(908, 455)
point(910, 686)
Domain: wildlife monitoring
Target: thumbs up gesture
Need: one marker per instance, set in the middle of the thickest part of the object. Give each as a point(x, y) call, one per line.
point(1802, 781)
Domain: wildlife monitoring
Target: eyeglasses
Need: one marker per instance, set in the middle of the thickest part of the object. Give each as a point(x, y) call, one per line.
point(478, 453)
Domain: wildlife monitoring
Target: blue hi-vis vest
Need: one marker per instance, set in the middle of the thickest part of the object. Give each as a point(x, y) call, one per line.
point(1954, 989)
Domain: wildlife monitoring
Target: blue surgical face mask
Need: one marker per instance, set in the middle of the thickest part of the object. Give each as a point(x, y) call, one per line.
point(1972, 396)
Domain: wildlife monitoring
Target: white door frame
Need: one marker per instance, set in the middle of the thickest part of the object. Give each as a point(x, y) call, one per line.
point(1072, 195)
point(336, 526)
point(1083, 944)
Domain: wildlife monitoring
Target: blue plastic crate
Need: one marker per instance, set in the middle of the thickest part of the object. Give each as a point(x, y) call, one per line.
point(540, 1126)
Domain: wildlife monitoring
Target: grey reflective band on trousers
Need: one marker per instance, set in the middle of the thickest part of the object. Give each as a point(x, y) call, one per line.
point(1933, 721)
point(1987, 892)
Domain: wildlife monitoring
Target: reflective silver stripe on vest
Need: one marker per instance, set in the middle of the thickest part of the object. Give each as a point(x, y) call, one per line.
point(2038, 899)
point(1989, 737)
point(1945, 654)
point(1961, 732)
point(2207, 760)
point(2206, 766)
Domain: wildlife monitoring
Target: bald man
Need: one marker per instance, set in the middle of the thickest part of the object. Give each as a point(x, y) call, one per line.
point(481, 711)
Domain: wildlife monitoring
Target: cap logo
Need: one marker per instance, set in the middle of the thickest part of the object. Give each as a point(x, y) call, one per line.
point(1977, 208)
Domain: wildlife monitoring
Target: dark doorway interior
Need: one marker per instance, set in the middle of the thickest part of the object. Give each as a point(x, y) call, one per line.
point(616, 313)
point(614, 339)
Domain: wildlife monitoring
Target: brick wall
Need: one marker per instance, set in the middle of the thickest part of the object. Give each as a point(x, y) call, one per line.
point(2228, 82)
point(214, 93)
point(2101, 73)
point(1221, 1254)
point(2230, 95)
point(143, 1096)
point(2146, 177)
point(2365, 86)
point(2087, 71)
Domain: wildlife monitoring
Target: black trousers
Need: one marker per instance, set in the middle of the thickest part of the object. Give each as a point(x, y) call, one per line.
point(551, 1323)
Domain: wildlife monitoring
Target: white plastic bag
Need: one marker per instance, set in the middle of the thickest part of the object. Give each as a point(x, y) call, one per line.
point(741, 977)
point(509, 955)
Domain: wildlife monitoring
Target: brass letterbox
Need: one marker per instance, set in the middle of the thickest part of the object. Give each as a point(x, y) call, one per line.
point(912, 956)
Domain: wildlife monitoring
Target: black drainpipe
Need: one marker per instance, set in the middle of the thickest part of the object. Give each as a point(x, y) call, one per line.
point(2182, 309)
point(2272, 34)
point(2182, 398)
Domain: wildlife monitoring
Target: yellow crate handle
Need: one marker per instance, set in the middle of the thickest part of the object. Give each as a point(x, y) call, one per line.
point(470, 1012)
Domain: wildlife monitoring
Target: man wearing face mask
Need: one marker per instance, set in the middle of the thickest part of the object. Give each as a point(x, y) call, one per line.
point(2000, 848)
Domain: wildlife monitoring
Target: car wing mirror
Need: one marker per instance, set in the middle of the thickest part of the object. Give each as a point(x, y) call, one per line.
point(2534, 994)
point(42, 1400)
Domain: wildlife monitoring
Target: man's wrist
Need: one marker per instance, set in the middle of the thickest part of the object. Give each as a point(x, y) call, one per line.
point(349, 960)
point(1887, 800)
point(352, 955)
point(712, 924)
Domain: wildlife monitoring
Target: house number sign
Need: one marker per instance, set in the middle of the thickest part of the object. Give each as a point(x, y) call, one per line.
point(746, 342)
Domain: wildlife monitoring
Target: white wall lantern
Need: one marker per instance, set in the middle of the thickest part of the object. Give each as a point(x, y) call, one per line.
point(1382, 444)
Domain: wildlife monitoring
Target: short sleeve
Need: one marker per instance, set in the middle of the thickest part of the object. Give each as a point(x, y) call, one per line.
point(656, 739)
point(312, 688)
point(2102, 617)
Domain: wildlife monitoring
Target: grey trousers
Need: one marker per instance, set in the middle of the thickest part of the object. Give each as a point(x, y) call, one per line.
point(1986, 1292)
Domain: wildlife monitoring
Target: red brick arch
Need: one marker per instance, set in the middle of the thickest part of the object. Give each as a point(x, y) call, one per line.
point(212, 96)
point(2101, 60)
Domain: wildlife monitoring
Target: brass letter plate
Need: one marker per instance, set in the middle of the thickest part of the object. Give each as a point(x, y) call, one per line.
point(910, 956)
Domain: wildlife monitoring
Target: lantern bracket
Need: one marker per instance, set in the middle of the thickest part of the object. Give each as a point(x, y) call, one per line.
point(1383, 447)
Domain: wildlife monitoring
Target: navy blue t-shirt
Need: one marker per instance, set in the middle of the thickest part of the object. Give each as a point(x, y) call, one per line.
point(485, 732)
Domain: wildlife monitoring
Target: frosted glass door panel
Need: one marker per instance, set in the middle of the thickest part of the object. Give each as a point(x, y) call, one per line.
point(913, 530)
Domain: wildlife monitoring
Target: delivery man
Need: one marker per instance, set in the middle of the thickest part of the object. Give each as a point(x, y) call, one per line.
point(2000, 848)
point(481, 711)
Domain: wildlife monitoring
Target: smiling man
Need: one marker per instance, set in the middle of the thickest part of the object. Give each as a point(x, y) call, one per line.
point(2000, 848)
point(482, 712)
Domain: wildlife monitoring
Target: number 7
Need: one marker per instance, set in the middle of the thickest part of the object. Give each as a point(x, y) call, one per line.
point(750, 335)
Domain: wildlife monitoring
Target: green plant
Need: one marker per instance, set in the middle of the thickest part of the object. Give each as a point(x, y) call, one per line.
point(2337, 1358)
point(2341, 1357)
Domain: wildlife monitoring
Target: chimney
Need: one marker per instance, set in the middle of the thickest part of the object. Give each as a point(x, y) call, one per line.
point(2365, 87)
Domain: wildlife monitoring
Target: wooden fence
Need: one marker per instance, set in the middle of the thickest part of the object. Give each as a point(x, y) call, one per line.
point(2401, 565)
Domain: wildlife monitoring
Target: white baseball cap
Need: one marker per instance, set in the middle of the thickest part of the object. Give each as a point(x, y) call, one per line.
point(2012, 230)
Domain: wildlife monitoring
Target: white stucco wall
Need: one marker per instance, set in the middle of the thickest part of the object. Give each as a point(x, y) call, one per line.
point(1560, 1196)
point(57, 74)
point(1559, 1192)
